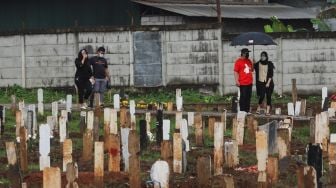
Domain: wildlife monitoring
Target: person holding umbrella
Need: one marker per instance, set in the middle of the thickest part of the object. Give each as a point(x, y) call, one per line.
point(243, 69)
point(264, 81)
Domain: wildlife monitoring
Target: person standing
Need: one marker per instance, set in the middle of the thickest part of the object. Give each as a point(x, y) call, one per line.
point(264, 70)
point(243, 69)
point(82, 78)
point(100, 73)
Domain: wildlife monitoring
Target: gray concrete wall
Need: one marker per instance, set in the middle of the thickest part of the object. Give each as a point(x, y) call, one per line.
point(189, 56)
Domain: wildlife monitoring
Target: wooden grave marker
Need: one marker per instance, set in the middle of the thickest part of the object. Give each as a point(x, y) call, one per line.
point(99, 162)
point(18, 119)
point(218, 148)
point(211, 125)
point(54, 110)
point(134, 159)
point(23, 149)
point(199, 129)
point(241, 116)
point(51, 177)
point(231, 154)
point(11, 153)
point(203, 169)
point(114, 153)
point(67, 153)
point(262, 154)
point(324, 95)
point(177, 149)
point(87, 145)
point(71, 175)
point(272, 170)
point(13, 104)
point(178, 119)
point(303, 107)
point(191, 118)
point(283, 142)
point(62, 128)
point(290, 107)
point(114, 122)
point(306, 177)
point(116, 101)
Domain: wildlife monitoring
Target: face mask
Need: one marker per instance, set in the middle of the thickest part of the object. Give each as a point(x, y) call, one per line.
point(101, 55)
point(263, 58)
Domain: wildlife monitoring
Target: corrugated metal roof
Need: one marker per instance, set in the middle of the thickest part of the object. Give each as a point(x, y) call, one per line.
point(235, 11)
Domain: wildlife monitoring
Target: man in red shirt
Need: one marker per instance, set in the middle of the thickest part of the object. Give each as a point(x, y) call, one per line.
point(243, 69)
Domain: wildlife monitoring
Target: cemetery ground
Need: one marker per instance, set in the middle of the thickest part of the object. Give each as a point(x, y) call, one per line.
point(244, 173)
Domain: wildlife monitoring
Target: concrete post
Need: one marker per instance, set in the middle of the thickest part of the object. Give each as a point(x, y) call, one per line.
point(23, 61)
point(221, 86)
point(279, 84)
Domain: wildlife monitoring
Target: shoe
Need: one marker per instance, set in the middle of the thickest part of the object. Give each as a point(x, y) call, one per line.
point(268, 109)
point(258, 110)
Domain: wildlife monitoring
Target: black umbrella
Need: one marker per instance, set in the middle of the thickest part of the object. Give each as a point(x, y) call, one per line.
point(252, 38)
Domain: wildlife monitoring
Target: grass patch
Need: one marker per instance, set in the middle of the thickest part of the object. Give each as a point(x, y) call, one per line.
point(301, 134)
point(247, 158)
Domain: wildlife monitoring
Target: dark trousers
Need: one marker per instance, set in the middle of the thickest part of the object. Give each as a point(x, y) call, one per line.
point(265, 91)
point(84, 89)
point(245, 98)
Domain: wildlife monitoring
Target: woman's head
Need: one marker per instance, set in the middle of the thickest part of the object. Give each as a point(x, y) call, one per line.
point(264, 56)
point(82, 53)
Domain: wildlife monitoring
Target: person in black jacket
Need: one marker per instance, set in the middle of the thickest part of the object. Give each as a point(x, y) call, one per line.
point(264, 70)
point(83, 77)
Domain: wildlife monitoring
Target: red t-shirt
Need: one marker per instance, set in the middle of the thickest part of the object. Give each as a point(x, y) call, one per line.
point(244, 68)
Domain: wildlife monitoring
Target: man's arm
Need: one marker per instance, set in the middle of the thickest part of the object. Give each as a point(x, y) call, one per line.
point(236, 75)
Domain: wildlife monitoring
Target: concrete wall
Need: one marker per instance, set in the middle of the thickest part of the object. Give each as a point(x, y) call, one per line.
point(162, 20)
point(189, 56)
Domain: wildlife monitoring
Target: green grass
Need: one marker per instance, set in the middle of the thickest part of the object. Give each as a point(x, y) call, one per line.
point(247, 158)
point(301, 134)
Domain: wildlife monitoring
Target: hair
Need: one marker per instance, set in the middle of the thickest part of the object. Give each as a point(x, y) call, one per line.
point(265, 54)
point(80, 56)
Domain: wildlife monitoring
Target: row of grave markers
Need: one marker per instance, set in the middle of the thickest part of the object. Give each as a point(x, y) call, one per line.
point(280, 143)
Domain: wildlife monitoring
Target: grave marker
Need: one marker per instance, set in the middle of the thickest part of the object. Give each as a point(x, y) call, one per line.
point(177, 153)
point(167, 153)
point(283, 142)
point(11, 153)
point(294, 91)
point(231, 154)
point(40, 107)
point(204, 171)
point(51, 177)
point(71, 175)
point(18, 119)
point(23, 149)
point(262, 154)
point(82, 121)
point(90, 119)
point(199, 129)
point(44, 146)
point(324, 95)
point(322, 131)
point(240, 127)
point(87, 145)
point(303, 107)
point(218, 150)
point(116, 101)
point(54, 110)
point(170, 106)
point(211, 124)
point(297, 108)
point(190, 118)
point(134, 160)
point(13, 104)
point(178, 119)
point(62, 128)
point(160, 174)
point(99, 161)
point(159, 126)
point(69, 105)
point(272, 170)
point(306, 177)
point(148, 124)
point(114, 153)
point(67, 153)
point(290, 107)
point(114, 122)
point(51, 123)
point(124, 143)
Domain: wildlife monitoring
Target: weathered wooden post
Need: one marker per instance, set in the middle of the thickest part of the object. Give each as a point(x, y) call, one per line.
point(283, 142)
point(166, 145)
point(67, 153)
point(13, 104)
point(185, 143)
point(99, 163)
point(303, 107)
point(44, 146)
point(191, 119)
point(203, 171)
point(170, 106)
point(51, 177)
point(272, 170)
point(324, 95)
point(82, 121)
point(23, 149)
point(219, 146)
point(114, 122)
point(88, 138)
point(241, 116)
point(177, 153)
point(134, 160)
point(124, 142)
point(40, 107)
point(211, 125)
point(262, 154)
point(306, 177)
point(223, 120)
point(322, 131)
point(71, 175)
point(62, 128)
point(231, 154)
point(250, 126)
point(114, 153)
point(18, 119)
point(54, 111)
point(11, 153)
point(199, 129)
point(107, 119)
point(178, 119)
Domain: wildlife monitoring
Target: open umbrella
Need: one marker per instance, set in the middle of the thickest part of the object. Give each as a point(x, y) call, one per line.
point(252, 38)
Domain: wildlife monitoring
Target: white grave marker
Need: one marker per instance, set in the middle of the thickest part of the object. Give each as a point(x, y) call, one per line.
point(51, 122)
point(54, 110)
point(160, 174)
point(324, 95)
point(166, 129)
point(191, 118)
point(184, 134)
point(40, 101)
point(297, 108)
point(114, 121)
point(332, 138)
point(290, 107)
point(331, 112)
point(68, 103)
point(90, 118)
point(124, 143)
point(44, 146)
point(62, 128)
point(116, 101)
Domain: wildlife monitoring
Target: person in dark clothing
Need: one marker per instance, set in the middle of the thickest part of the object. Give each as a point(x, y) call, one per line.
point(100, 73)
point(82, 77)
point(264, 70)
point(243, 69)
